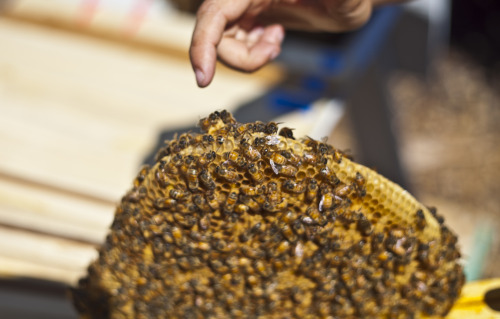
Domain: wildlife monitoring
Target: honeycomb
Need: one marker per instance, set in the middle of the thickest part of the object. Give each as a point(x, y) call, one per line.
point(245, 221)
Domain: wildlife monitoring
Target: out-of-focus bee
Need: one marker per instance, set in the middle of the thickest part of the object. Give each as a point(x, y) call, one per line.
point(207, 180)
point(287, 170)
point(326, 202)
point(271, 207)
point(294, 160)
point(342, 190)
point(232, 156)
point(287, 132)
point(310, 158)
point(161, 178)
point(294, 187)
point(206, 159)
point(266, 152)
point(316, 216)
point(271, 128)
point(251, 153)
point(278, 158)
point(251, 190)
point(141, 176)
point(273, 194)
point(229, 175)
point(241, 209)
point(255, 173)
point(259, 141)
point(204, 222)
point(201, 203)
point(329, 176)
point(207, 122)
point(360, 184)
point(208, 139)
point(192, 178)
point(312, 190)
point(184, 140)
point(220, 139)
point(227, 117)
point(242, 129)
point(164, 203)
point(213, 200)
point(188, 161)
point(231, 200)
point(257, 127)
point(179, 194)
point(252, 204)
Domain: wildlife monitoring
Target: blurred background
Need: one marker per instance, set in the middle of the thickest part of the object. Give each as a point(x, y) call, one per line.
point(89, 89)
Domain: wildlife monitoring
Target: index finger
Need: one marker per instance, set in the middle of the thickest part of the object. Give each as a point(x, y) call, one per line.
point(212, 19)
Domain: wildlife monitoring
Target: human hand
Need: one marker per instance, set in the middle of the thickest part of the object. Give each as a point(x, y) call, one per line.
point(247, 34)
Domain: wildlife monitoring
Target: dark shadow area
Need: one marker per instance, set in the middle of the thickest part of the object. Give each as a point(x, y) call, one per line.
point(26, 298)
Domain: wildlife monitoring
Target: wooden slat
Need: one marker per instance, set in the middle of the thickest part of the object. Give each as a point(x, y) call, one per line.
point(81, 113)
point(41, 256)
point(39, 208)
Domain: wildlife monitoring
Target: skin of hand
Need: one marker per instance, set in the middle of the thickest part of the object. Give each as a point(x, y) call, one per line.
point(247, 34)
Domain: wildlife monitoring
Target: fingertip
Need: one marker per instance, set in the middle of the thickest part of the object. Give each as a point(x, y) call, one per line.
point(200, 78)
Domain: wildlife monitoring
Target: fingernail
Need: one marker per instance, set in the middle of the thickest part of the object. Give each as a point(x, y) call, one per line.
point(274, 54)
point(278, 35)
point(200, 76)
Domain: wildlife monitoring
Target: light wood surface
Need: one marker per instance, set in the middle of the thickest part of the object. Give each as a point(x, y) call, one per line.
point(78, 114)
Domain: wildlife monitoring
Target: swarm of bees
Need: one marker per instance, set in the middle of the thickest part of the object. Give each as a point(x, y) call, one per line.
point(245, 221)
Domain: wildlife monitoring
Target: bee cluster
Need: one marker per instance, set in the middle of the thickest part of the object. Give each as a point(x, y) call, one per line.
point(244, 221)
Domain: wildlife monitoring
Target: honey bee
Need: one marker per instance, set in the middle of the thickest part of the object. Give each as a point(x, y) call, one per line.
point(312, 190)
point(220, 139)
point(273, 192)
point(271, 128)
point(294, 160)
point(287, 132)
point(208, 139)
point(230, 202)
point(185, 140)
point(207, 180)
point(250, 152)
point(207, 122)
point(252, 204)
point(228, 174)
point(329, 176)
point(310, 158)
point(206, 159)
point(201, 203)
point(212, 200)
point(178, 194)
point(227, 117)
point(255, 173)
point(251, 190)
point(257, 127)
point(360, 184)
point(342, 190)
point(270, 207)
point(141, 176)
point(241, 209)
point(192, 178)
point(164, 203)
point(294, 187)
point(161, 178)
point(242, 129)
point(278, 158)
point(232, 156)
point(326, 202)
point(287, 170)
point(316, 216)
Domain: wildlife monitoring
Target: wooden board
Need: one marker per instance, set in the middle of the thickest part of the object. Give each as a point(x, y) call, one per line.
point(78, 114)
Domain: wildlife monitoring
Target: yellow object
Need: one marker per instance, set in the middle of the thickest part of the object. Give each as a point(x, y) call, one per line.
point(472, 304)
